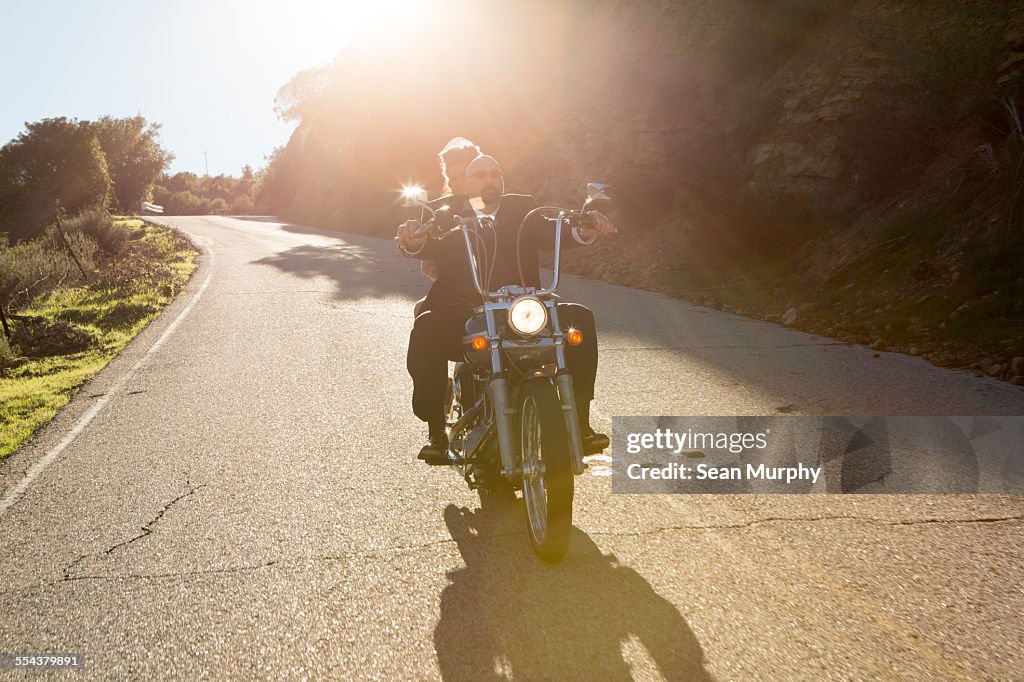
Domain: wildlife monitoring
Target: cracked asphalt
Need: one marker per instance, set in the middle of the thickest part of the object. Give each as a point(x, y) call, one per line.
point(247, 504)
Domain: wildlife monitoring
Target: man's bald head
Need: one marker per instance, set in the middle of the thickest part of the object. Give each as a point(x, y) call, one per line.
point(484, 180)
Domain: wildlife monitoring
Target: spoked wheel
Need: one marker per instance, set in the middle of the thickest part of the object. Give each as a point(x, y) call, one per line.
point(547, 469)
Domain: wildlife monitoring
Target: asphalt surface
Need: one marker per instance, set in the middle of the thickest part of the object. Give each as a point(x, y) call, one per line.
point(244, 502)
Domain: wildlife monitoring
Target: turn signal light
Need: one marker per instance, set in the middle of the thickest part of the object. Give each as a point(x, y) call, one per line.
point(479, 343)
point(574, 337)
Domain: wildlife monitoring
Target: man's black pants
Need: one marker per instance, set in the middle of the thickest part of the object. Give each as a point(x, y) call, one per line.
point(436, 338)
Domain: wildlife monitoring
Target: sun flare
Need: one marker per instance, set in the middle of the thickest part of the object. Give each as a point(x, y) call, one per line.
point(316, 30)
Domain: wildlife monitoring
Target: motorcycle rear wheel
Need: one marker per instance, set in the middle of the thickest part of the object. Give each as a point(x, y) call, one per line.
point(548, 483)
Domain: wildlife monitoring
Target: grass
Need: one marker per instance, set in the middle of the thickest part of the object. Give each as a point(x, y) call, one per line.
point(33, 387)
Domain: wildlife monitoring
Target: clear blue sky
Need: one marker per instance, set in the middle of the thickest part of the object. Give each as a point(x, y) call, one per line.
point(207, 71)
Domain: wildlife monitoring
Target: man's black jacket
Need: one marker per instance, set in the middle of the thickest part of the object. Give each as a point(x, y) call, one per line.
point(454, 284)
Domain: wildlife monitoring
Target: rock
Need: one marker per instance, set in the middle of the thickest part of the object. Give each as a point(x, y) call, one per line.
point(994, 370)
point(764, 153)
point(790, 317)
point(813, 167)
point(792, 150)
point(914, 350)
point(879, 344)
point(877, 355)
point(1017, 381)
point(827, 113)
point(1017, 366)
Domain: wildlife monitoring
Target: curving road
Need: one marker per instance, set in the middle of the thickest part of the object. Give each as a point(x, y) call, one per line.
point(237, 496)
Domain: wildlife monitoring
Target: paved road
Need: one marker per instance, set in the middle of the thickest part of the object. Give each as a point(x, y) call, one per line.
point(245, 503)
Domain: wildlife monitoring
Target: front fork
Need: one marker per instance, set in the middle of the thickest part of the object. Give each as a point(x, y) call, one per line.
point(567, 395)
point(503, 420)
point(572, 422)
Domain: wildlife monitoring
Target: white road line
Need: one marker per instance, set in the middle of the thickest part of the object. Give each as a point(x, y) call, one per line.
point(15, 493)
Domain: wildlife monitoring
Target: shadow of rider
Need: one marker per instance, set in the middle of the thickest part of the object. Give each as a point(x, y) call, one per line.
point(508, 614)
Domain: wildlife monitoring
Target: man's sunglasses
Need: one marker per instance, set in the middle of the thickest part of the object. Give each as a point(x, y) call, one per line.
point(481, 174)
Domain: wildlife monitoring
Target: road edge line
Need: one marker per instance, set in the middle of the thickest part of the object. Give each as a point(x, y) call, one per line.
point(15, 493)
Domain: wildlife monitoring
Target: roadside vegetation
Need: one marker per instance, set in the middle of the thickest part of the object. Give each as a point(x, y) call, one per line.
point(71, 165)
point(190, 194)
point(71, 299)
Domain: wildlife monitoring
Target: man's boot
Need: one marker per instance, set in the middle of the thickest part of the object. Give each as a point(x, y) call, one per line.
point(593, 442)
point(436, 449)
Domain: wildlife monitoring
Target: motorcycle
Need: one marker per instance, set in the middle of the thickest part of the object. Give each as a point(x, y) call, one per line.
point(511, 411)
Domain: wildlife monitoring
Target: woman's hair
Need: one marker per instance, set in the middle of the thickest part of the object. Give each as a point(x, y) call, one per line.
point(458, 150)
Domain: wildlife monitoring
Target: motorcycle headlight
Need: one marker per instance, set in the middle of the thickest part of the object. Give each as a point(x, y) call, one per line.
point(527, 316)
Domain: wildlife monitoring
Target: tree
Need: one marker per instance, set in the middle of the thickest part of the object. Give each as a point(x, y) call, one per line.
point(187, 194)
point(55, 159)
point(180, 182)
point(247, 181)
point(134, 157)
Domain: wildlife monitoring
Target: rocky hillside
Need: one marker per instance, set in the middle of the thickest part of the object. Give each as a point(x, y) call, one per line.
point(852, 169)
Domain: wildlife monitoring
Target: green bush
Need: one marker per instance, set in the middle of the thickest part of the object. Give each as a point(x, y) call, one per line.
point(7, 353)
point(25, 269)
point(99, 226)
point(83, 246)
point(243, 205)
point(34, 267)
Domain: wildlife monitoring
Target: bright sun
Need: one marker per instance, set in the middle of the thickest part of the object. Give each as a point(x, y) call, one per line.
point(314, 31)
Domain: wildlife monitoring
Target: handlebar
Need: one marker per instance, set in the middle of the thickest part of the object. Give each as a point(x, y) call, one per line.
point(472, 224)
point(466, 225)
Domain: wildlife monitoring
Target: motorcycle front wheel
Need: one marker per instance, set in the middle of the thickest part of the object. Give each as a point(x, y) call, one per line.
point(547, 469)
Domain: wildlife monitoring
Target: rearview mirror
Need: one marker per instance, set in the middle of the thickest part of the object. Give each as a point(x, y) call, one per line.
point(596, 191)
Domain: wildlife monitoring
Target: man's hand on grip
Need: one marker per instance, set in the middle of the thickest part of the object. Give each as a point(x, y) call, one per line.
point(594, 224)
point(407, 238)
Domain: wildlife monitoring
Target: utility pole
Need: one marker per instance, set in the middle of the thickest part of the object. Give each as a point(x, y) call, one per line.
point(207, 158)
